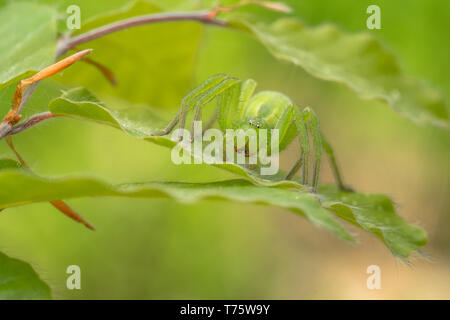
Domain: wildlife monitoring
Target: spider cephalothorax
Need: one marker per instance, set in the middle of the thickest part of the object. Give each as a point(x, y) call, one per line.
point(238, 108)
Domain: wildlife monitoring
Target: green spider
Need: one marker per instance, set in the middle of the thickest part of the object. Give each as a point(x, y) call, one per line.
point(238, 108)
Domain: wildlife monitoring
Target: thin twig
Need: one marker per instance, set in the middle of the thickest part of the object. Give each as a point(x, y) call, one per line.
point(13, 116)
point(5, 129)
point(31, 122)
point(202, 16)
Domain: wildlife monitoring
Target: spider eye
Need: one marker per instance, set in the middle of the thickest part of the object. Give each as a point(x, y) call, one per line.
point(254, 123)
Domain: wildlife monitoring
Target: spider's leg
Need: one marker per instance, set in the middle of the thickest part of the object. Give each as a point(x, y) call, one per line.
point(227, 104)
point(169, 126)
point(329, 151)
point(313, 126)
point(197, 117)
point(207, 96)
point(295, 168)
point(283, 124)
point(210, 87)
point(231, 104)
point(210, 122)
point(300, 124)
point(187, 102)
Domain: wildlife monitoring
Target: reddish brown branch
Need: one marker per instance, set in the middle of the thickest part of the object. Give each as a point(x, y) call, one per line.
point(31, 122)
point(202, 16)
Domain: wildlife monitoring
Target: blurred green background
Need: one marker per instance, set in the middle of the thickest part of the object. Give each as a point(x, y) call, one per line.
point(160, 249)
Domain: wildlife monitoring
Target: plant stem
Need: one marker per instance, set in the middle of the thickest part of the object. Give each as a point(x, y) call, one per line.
point(30, 122)
point(5, 128)
point(201, 16)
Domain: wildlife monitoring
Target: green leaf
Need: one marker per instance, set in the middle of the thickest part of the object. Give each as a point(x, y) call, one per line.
point(40, 189)
point(372, 213)
point(6, 163)
point(356, 60)
point(18, 280)
point(27, 44)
